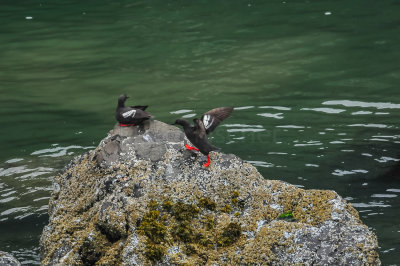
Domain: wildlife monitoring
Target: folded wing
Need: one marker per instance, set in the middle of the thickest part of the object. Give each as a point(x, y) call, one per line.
point(141, 107)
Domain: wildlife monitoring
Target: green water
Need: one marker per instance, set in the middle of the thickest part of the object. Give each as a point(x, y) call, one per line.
point(315, 85)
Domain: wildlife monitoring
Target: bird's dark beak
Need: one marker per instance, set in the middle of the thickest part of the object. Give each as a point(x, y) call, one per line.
point(173, 123)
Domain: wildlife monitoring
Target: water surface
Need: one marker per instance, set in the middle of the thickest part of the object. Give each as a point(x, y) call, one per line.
point(314, 86)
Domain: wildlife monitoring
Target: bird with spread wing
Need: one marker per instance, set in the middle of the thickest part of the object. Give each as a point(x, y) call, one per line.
point(197, 133)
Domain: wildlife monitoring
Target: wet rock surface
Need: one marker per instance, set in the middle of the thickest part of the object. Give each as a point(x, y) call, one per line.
point(6, 259)
point(140, 198)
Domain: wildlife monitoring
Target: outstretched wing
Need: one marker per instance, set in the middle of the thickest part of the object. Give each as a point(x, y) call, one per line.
point(212, 118)
point(141, 107)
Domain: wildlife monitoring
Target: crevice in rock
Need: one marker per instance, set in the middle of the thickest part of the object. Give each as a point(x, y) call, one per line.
point(90, 252)
point(112, 233)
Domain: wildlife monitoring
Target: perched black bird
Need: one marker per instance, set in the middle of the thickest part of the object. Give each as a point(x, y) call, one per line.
point(130, 116)
point(197, 133)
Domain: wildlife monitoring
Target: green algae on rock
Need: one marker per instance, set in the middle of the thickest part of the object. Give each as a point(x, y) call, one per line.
point(140, 198)
point(288, 214)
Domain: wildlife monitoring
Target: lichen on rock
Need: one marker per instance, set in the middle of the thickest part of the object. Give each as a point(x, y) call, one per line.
point(141, 198)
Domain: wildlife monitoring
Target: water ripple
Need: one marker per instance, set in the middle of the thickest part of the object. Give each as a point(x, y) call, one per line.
point(261, 164)
point(15, 160)
point(369, 125)
point(242, 125)
point(8, 199)
point(339, 172)
point(181, 111)
point(13, 170)
point(384, 196)
point(59, 151)
point(244, 107)
point(308, 143)
point(36, 172)
point(291, 126)
point(28, 256)
point(361, 113)
point(281, 108)
point(246, 129)
point(15, 210)
point(8, 193)
point(396, 190)
point(324, 110)
point(384, 159)
point(189, 116)
point(349, 103)
point(370, 204)
point(276, 116)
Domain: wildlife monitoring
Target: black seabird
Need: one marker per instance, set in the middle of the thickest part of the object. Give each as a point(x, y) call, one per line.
point(130, 116)
point(197, 133)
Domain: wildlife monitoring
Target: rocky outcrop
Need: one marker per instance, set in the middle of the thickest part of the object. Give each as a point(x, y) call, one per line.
point(141, 198)
point(6, 259)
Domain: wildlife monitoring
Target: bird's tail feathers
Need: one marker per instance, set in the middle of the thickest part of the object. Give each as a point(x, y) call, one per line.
point(213, 148)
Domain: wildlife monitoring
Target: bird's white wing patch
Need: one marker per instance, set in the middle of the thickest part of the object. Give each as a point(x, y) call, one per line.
point(130, 113)
point(207, 121)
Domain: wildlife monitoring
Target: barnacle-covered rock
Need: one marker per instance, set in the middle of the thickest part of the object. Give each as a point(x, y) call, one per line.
point(140, 198)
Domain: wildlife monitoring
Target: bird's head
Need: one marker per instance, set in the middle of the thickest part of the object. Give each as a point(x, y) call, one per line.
point(121, 99)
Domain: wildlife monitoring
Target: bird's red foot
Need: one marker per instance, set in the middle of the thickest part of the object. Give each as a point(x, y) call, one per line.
point(126, 125)
point(190, 147)
point(208, 161)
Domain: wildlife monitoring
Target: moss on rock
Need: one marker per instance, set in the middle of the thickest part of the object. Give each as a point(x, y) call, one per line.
point(207, 203)
point(314, 206)
point(154, 252)
point(229, 235)
point(226, 209)
point(153, 227)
